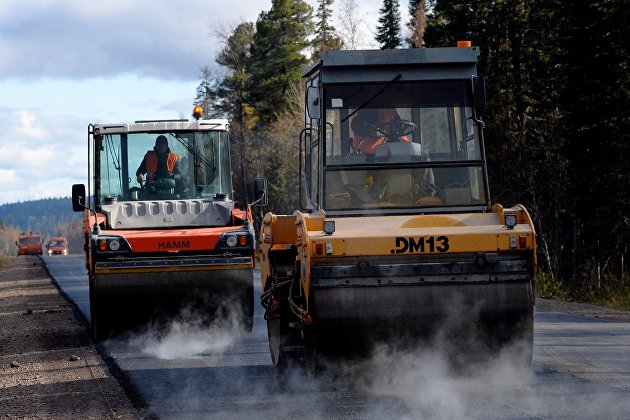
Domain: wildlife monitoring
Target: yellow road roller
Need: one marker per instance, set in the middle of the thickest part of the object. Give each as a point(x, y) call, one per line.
point(397, 239)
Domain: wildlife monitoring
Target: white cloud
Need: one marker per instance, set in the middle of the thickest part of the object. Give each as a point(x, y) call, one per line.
point(67, 63)
point(79, 39)
point(27, 127)
point(7, 178)
point(39, 155)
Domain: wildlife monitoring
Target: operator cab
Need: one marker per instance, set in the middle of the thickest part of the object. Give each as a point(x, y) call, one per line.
point(202, 168)
point(397, 137)
point(190, 187)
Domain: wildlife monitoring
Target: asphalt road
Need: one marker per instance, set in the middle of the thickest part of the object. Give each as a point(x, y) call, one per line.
point(581, 369)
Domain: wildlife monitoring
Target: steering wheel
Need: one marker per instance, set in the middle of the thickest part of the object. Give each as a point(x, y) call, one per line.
point(163, 174)
point(164, 184)
point(394, 130)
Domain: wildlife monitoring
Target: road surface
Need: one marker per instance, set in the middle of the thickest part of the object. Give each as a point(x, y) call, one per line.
point(581, 369)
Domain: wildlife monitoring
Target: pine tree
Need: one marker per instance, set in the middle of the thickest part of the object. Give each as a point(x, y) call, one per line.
point(235, 101)
point(452, 20)
point(596, 99)
point(388, 31)
point(277, 54)
point(235, 58)
point(325, 36)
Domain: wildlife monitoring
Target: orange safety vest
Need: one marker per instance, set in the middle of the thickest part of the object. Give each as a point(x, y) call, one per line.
point(368, 144)
point(151, 160)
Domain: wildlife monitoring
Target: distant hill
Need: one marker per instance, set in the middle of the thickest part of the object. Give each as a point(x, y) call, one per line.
point(41, 216)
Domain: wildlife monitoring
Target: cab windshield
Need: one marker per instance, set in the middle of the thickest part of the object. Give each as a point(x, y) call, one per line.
point(402, 145)
point(29, 240)
point(192, 165)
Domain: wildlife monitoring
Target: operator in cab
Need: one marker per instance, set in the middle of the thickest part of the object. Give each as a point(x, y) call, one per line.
point(373, 127)
point(158, 163)
point(378, 127)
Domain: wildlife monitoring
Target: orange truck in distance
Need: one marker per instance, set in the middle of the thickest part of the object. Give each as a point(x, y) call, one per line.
point(29, 244)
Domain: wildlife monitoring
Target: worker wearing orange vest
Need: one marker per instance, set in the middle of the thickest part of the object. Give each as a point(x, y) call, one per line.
point(370, 129)
point(159, 162)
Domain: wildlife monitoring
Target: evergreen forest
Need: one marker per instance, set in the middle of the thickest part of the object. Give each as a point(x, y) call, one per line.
point(557, 127)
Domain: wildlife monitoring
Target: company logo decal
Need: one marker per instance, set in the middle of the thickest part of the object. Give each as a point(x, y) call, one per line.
point(421, 244)
point(173, 245)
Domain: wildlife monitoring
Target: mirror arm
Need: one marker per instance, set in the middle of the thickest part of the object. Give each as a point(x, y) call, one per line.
point(96, 230)
point(473, 81)
point(302, 142)
point(260, 199)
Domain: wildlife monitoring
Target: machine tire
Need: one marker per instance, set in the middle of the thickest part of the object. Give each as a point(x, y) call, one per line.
point(516, 336)
point(100, 331)
point(525, 328)
point(310, 352)
point(281, 335)
point(247, 306)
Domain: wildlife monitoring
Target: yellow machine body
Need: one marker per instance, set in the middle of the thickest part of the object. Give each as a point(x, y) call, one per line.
point(397, 239)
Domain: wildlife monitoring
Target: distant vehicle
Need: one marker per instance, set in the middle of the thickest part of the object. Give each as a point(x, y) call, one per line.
point(58, 246)
point(29, 245)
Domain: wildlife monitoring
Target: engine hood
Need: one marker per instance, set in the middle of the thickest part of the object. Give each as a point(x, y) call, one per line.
point(152, 214)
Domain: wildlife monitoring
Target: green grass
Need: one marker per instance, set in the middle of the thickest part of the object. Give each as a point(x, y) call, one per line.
point(548, 287)
point(611, 292)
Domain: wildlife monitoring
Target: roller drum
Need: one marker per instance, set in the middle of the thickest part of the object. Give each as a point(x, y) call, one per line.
point(128, 301)
point(364, 302)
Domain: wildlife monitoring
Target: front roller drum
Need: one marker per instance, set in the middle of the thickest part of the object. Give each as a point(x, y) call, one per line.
point(124, 302)
point(351, 320)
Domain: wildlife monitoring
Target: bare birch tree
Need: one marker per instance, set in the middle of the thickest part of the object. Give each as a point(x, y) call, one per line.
point(349, 23)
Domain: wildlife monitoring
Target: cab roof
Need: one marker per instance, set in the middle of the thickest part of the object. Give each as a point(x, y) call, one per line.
point(161, 126)
point(347, 66)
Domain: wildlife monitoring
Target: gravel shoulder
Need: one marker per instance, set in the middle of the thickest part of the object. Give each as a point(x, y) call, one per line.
point(583, 309)
point(49, 366)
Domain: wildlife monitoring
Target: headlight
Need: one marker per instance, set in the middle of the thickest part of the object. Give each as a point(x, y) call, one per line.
point(50, 252)
point(111, 243)
point(231, 240)
point(114, 245)
point(329, 227)
point(510, 221)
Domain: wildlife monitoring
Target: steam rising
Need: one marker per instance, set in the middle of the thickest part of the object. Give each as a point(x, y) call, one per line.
point(188, 336)
point(427, 382)
point(453, 373)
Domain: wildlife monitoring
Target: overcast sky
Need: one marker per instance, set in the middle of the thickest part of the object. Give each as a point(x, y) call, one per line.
point(67, 63)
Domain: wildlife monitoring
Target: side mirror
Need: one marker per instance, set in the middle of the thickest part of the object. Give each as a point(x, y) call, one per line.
point(78, 197)
point(312, 102)
point(479, 95)
point(260, 192)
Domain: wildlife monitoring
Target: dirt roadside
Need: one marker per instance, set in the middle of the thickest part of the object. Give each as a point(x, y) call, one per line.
point(583, 309)
point(49, 366)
